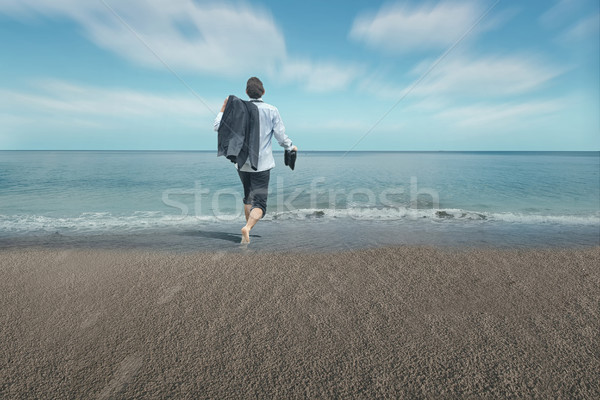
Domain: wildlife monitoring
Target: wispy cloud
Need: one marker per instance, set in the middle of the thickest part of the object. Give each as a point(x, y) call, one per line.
point(561, 12)
point(348, 125)
point(488, 116)
point(490, 76)
point(69, 99)
point(61, 114)
point(400, 28)
point(211, 38)
point(467, 76)
point(321, 76)
point(585, 28)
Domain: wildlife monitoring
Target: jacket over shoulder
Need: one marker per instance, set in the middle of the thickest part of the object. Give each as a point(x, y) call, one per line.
point(239, 132)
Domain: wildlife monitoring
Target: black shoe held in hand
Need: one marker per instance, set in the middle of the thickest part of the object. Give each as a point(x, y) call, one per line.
point(290, 158)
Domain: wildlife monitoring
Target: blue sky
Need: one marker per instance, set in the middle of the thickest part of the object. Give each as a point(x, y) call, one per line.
point(362, 75)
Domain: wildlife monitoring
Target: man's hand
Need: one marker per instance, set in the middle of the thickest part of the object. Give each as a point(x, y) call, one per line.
point(224, 104)
point(295, 148)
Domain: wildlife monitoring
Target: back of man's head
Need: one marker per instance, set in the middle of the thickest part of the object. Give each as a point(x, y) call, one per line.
point(254, 88)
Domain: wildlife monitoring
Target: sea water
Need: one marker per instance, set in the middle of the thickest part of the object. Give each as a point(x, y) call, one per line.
point(187, 200)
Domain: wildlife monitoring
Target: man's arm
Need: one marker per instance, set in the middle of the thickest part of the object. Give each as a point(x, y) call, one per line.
point(279, 132)
point(217, 123)
point(219, 116)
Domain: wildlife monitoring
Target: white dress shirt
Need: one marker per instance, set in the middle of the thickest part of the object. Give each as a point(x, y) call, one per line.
point(270, 125)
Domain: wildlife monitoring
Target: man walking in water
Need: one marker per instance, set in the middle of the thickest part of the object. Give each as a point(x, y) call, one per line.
point(256, 182)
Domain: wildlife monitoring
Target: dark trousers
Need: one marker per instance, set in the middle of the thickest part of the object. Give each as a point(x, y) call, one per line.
point(256, 188)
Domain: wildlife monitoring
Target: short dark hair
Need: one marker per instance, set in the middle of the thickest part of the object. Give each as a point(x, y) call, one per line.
point(255, 88)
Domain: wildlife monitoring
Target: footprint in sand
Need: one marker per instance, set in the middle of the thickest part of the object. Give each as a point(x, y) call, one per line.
point(63, 255)
point(169, 294)
point(90, 320)
point(218, 255)
point(124, 374)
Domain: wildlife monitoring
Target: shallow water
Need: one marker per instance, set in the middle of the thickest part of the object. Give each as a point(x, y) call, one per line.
point(192, 200)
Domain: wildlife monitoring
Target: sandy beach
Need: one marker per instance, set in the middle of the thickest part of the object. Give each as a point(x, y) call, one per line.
point(403, 322)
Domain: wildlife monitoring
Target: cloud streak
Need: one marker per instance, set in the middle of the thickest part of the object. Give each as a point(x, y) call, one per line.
point(466, 76)
point(70, 99)
point(209, 38)
point(585, 28)
point(494, 115)
point(560, 12)
point(215, 39)
point(400, 28)
point(491, 76)
point(319, 77)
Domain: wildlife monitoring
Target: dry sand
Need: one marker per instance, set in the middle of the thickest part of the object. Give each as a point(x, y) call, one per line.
point(381, 323)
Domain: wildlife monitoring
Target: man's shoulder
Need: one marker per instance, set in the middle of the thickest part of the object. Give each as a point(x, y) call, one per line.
point(266, 106)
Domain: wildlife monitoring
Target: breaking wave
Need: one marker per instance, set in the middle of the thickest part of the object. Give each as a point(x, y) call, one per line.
point(90, 223)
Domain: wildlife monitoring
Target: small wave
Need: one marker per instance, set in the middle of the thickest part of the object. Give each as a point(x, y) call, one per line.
point(439, 215)
point(546, 219)
point(98, 222)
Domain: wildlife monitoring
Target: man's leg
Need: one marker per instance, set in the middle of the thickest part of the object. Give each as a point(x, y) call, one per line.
point(246, 180)
point(259, 188)
point(247, 208)
point(253, 218)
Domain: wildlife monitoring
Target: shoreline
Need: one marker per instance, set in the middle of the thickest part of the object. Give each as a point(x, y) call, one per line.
point(407, 321)
point(315, 235)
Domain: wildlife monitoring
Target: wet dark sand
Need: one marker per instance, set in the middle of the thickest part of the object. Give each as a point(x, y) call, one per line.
point(380, 323)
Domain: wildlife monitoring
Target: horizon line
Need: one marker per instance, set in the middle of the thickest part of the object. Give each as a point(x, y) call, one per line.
point(329, 151)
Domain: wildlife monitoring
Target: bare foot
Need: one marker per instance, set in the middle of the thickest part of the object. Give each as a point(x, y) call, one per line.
point(245, 235)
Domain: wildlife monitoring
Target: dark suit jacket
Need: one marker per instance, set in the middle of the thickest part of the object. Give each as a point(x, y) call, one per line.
point(239, 132)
